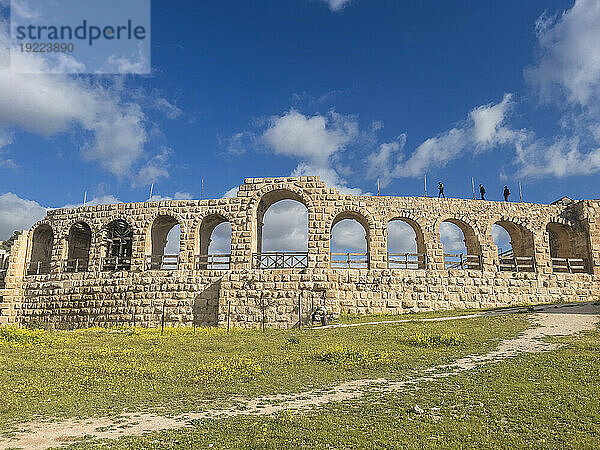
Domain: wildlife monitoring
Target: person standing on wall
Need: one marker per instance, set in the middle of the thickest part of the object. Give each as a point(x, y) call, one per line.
point(482, 191)
point(441, 190)
point(506, 193)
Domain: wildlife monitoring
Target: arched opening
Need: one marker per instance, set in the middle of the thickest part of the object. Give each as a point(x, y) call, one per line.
point(568, 248)
point(41, 250)
point(214, 243)
point(79, 243)
point(165, 237)
point(515, 247)
point(281, 231)
point(461, 246)
point(349, 244)
point(405, 245)
point(118, 241)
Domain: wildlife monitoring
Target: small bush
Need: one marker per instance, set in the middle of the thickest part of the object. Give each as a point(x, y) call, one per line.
point(435, 340)
point(21, 337)
point(293, 340)
point(350, 357)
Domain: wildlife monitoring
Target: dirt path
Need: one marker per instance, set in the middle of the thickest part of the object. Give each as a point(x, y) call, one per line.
point(547, 321)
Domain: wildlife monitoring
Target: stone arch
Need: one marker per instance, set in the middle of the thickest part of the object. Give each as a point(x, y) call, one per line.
point(205, 259)
point(474, 257)
point(521, 236)
point(518, 254)
point(365, 220)
point(156, 241)
point(79, 243)
point(567, 242)
point(419, 238)
point(67, 225)
point(267, 197)
point(41, 249)
point(117, 241)
point(207, 225)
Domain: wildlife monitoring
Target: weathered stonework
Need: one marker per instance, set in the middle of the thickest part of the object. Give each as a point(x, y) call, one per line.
point(250, 297)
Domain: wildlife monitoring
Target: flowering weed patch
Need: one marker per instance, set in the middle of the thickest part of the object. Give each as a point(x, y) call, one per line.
point(423, 339)
point(102, 371)
point(347, 357)
point(21, 337)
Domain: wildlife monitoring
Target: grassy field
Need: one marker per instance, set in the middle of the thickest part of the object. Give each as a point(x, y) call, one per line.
point(546, 400)
point(102, 372)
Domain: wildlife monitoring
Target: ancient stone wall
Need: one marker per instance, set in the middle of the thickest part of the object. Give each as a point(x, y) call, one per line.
point(45, 284)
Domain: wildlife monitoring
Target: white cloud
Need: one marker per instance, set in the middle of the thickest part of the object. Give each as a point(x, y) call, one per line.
point(401, 238)
point(561, 158)
point(348, 236)
point(102, 200)
point(133, 63)
point(381, 162)
point(483, 130)
point(337, 5)
point(567, 72)
point(569, 54)
point(170, 109)
point(501, 237)
point(285, 227)
point(155, 169)
point(176, 196)
point(452, 238)
point(231, 193)
point(22, 9)
point(52, 104)
point(328, 175)
point(182, 196)
point(316, 141)
point(313, 139)
point(173, 238)
point(220, 239)
point(18, 214)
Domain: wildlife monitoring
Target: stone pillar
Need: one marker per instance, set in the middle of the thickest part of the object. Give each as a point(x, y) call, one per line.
point(543, 263)
point(377, 245)
point(434, 251)
point(12, 294)
point(489, 253)
point(59, 248)
point(316, 256)
point(97, 252)
point(321, 235)
point(590, 216)
point(241, 244)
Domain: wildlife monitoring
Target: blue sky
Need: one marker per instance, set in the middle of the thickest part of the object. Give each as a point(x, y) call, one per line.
point(350, 90)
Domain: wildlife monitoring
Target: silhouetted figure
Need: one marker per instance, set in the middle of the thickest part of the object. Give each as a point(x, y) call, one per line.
point(441, 190)
point(506, 193)
point(482, 191)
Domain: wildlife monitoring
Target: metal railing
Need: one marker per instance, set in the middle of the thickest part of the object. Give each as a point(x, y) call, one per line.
point(162, 262)
point(516, 263)
point(213, 262)
point(569, 265)
point(76, 265)
point(406, 260)
point(116, 263)
point(350, 260)
point(462, 261)
point(280, 260)
point(38, 268)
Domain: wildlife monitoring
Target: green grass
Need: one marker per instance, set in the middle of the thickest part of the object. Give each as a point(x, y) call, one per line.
point(106, 372)
point(546, 400)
